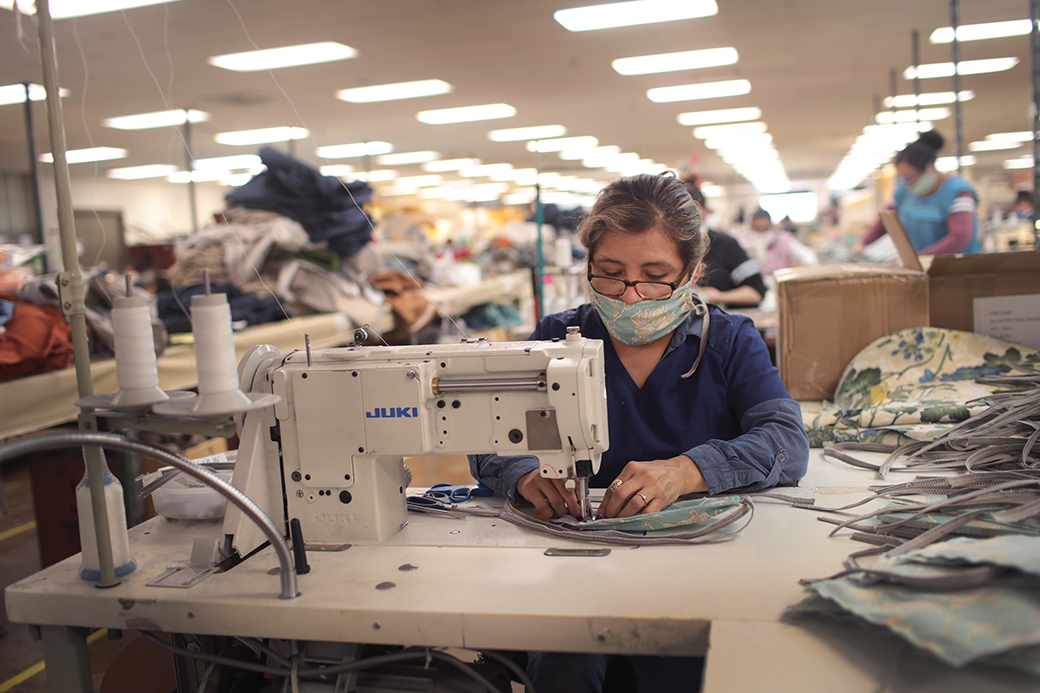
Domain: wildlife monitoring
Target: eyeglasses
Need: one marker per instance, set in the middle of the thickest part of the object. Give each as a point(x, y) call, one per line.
point(614, 287)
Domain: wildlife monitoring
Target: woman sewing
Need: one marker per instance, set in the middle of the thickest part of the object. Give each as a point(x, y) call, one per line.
point(694, 404)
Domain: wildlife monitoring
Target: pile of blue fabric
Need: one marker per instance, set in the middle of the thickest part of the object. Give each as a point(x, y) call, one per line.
point(327, 208)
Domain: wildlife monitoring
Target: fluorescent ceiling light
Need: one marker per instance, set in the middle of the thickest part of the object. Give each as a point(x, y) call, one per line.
point(722, 115)
point(418, 181)
point(394, 92)
point(1024, 162)
point(396, 190)
point(994, 145)
point(949, 163)
point(449, 165)
point(336, 170)
point(539, 132)
point(466, 114)
point(81, 156)
point(229, 163)
point(347, 151)
point(15, 93)
point(978, 32)
point(65, 9)
point(741, 142)
point(159, 119)
point(286, 56)
point(261, 136)
point(235, 180)
point(932, 99)
point(965, 67)
point(705, 90)
point(381, 175)
point(712, 190)
point(601, 152)
point(140, 172)
point(487, 170)
point(561, 143)
point(1023, 136)
point(673, 62)
point(205, 175)
point(405, 158)
point(619, 14)
point(706, 131)
point(911, 116)
point(611, 162)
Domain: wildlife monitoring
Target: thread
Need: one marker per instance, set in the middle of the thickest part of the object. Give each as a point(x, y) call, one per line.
point(214, 344)
point(136, 366)
point(90, 566)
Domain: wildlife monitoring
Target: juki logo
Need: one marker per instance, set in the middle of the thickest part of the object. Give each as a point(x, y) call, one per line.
point(393, 413)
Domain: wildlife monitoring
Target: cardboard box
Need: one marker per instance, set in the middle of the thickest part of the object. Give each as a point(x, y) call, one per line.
point(827, 315)
point(955, 281)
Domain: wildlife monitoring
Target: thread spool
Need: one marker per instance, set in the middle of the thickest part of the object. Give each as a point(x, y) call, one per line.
point(216, 365)
point(137, 371)
point(90, 566)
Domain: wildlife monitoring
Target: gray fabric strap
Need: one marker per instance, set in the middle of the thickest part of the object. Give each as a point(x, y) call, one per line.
point(706, 534)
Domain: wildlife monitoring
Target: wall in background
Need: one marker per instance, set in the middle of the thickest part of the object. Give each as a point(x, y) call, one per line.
point(153, 211)
point(16, 218)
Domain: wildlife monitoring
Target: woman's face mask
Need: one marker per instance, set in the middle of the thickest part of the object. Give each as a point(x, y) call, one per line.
point(924, 183)
point(647, 320)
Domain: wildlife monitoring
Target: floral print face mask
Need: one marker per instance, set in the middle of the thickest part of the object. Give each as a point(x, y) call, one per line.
point(644, 321)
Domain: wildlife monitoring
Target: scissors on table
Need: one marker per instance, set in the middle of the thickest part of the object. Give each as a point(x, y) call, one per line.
point(444, 497)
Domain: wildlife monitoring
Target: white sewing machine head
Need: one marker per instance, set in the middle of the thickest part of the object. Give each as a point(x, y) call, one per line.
point(347, 416)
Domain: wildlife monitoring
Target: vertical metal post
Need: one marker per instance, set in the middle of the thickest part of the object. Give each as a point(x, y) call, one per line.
point(189, 159)
point(34, 167)
point(65, 653)
point(955, 20)
point(915, 49)
point(893, 89)
point(70, 285)
point(539, 216)
point(1034, 43)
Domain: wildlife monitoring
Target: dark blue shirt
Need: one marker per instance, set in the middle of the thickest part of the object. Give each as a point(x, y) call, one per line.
point(732, 417)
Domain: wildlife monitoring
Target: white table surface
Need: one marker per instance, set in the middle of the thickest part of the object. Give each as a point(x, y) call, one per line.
point(483, 583)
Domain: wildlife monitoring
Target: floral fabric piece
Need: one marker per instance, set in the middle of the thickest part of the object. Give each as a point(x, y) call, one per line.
point(913, 385)
point(679, 514)
point(995, 623)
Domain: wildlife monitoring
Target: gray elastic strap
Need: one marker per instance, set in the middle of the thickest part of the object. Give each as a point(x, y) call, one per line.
point(702, 535)
point(702, 309)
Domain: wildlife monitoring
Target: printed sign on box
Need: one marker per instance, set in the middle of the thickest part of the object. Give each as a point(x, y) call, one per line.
point(1011, 318)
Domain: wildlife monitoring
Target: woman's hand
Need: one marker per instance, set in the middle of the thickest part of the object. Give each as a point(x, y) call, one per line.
point(647, 487)
point(549, 496)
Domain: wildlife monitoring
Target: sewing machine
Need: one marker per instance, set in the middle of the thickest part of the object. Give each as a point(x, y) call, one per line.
point(330, 452)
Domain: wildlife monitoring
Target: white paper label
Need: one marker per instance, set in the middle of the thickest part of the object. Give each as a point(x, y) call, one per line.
point(1011, 318)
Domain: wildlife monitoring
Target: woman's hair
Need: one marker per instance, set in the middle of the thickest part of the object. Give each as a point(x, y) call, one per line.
point(923, 151)
point(636, 204)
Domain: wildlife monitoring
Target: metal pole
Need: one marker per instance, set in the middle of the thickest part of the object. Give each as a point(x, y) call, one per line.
point(189, 159)
point(70, 285)
point(539, 215)
point(1034, 43)
point(893, 89)
point(916, 50)
point(955, 20)
point(34, 167)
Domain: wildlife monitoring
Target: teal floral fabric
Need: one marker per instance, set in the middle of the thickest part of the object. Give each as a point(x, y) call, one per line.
point(994, 623)
point(912, 385)
point(684, 513)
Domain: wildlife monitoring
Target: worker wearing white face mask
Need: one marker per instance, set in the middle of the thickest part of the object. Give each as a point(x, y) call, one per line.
point(937, 210)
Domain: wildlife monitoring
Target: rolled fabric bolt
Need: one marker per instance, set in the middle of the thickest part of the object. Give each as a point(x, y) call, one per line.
point(214, 344)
